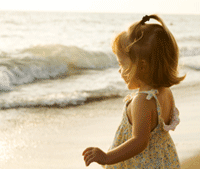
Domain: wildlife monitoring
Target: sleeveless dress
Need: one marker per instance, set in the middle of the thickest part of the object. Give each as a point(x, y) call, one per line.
point(160, 152)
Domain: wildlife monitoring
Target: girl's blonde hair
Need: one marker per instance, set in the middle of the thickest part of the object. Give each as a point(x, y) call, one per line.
point(154, 44)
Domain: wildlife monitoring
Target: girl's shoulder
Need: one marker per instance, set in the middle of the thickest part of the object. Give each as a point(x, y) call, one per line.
point(140, 100)
point(162, 94)
point(148, 98)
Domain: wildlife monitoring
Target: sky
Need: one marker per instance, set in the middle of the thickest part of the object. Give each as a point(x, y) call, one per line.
point(116, 6)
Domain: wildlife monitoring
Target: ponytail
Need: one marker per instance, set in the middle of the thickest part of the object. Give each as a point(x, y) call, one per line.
point(155, 44)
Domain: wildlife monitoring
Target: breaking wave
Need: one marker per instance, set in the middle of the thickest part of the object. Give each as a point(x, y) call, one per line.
point(49, 61)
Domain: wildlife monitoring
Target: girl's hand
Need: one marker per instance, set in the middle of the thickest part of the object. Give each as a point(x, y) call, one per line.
point(94, 154)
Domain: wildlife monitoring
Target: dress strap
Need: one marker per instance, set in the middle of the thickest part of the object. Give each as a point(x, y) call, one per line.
point(152, 93)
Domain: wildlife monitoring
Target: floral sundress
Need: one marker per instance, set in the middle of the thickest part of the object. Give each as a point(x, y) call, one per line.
point(160, 152)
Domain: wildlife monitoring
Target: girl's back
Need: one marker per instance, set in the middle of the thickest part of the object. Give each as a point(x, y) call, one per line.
point(166, 101)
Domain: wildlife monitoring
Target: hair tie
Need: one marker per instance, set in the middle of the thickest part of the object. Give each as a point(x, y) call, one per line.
point(144, 19)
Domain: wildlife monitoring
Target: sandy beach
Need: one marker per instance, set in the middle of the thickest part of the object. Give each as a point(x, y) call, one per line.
point(55, 137)
point(191, 163)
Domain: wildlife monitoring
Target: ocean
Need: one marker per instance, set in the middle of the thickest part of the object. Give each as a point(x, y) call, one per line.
point(63, 59)
point(60, 59)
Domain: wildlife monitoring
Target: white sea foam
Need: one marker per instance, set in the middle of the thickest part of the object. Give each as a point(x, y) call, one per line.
point(73, 90)
point(59, 99)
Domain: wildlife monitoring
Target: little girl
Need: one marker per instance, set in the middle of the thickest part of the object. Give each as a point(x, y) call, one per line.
point(148, 59)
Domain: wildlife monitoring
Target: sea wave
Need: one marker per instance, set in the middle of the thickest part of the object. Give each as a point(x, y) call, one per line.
point(188, 38)
point(191, 62)
point(61, 99)
point(55, 61)
point(48, 61)
point(189, 51)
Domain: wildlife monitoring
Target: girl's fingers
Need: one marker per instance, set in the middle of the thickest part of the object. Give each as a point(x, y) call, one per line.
point(89, 160)
point(93, 154)
point(87, 149)
point(87, 154)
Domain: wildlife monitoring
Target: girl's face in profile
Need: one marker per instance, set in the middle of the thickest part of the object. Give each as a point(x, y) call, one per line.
point(127, 70)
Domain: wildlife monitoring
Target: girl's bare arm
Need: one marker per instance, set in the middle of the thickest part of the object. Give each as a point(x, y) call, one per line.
point(141, 128)
point(141, 124)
